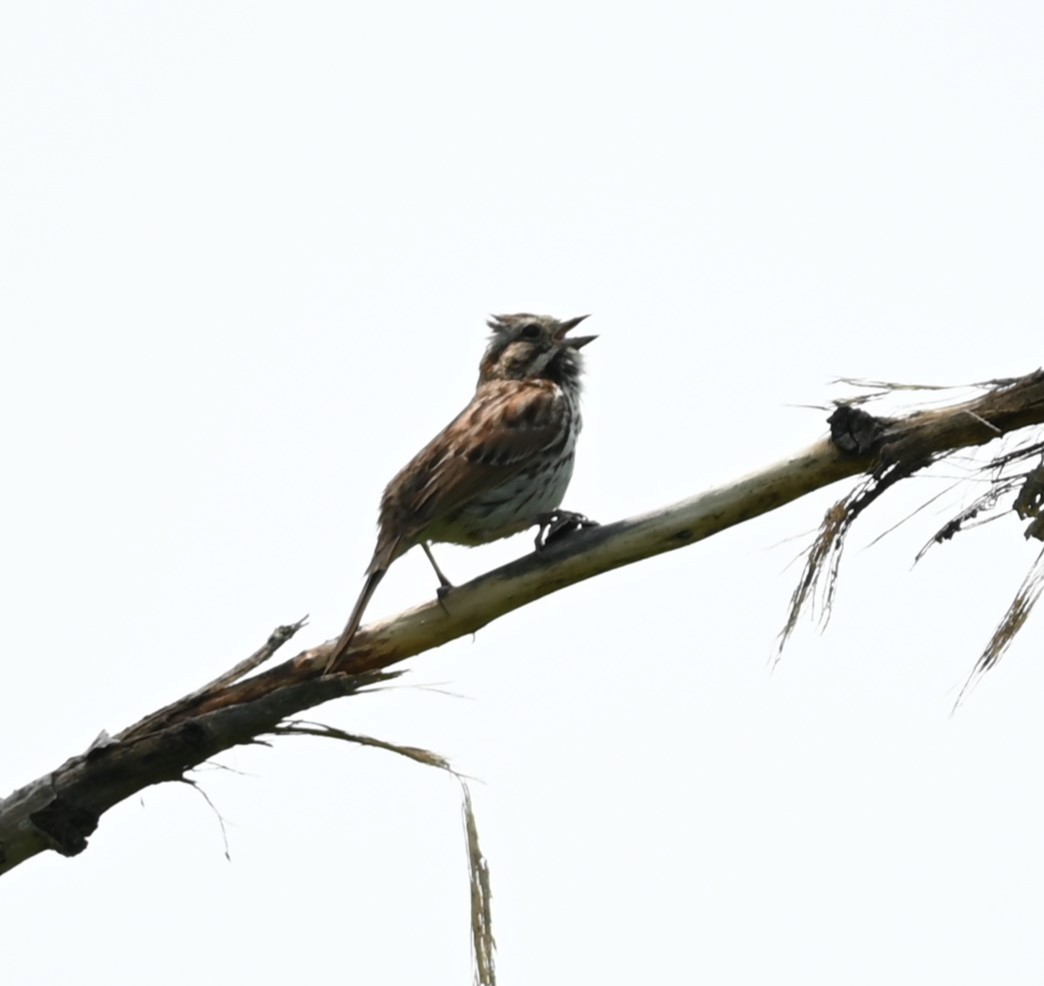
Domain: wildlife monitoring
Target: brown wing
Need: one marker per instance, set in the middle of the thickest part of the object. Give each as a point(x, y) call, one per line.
point(506, 426)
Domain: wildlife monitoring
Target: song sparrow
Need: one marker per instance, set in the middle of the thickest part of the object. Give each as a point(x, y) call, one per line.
point(503, 464)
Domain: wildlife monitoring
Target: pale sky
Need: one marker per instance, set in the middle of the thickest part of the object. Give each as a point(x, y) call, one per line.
point(247, 251)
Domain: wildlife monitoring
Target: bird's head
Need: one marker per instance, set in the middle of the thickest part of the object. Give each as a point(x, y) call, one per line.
point(533, 347)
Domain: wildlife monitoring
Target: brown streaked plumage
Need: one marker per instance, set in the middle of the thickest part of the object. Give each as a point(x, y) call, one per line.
point(503, 464)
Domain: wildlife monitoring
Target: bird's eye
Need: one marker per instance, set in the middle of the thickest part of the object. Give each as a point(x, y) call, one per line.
point(531, 331)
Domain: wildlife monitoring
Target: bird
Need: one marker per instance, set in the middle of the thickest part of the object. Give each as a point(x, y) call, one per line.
point(500, 466)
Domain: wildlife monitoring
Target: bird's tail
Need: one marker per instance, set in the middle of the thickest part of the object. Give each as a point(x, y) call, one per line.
point(373, 579)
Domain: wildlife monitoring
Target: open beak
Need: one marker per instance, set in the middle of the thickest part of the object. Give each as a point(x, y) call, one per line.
point(575, 342)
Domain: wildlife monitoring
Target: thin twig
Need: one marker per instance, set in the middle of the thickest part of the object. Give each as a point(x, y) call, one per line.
point(279, 636)
point(304, 727)
point(217, 814)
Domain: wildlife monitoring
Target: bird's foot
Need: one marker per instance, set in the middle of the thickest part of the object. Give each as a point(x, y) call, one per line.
point(441, 594)
point(558, 523)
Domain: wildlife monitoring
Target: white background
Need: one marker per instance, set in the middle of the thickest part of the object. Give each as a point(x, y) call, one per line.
point(246, 253)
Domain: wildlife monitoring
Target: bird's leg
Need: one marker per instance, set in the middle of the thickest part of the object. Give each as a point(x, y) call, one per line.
point(444, 583)
point(556, 523)
point(445, 586)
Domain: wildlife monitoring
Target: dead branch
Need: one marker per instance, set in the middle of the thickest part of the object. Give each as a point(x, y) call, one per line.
point(900, 447)
point(60, 810)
